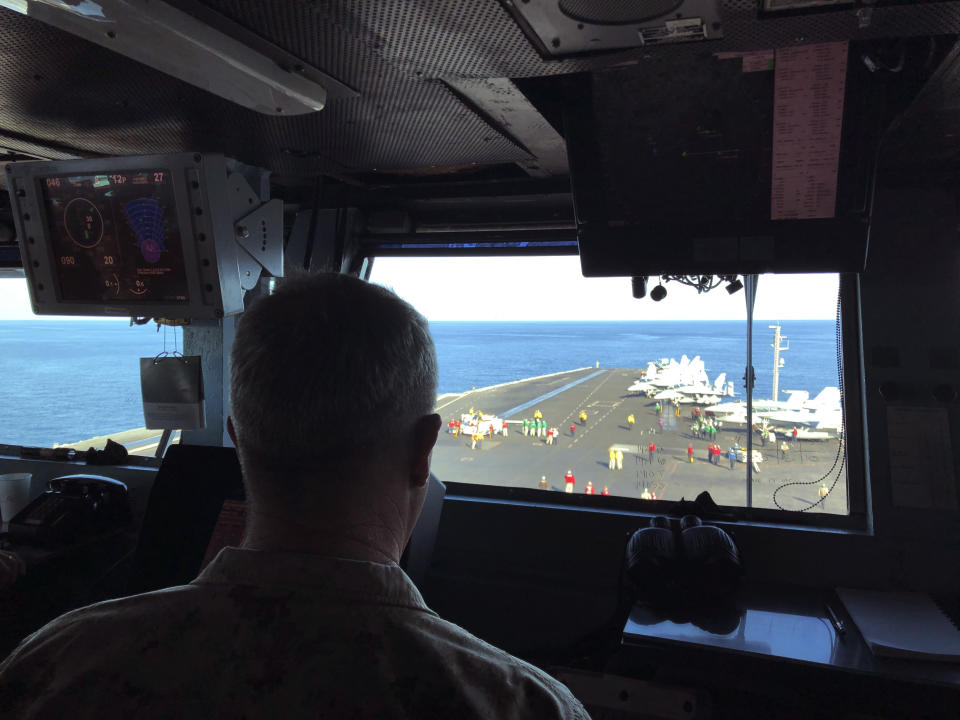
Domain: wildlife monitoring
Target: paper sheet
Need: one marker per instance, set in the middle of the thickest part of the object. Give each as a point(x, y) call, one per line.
point(902, 624)
point(921, 458)
point(810, 81)
point(753, 61)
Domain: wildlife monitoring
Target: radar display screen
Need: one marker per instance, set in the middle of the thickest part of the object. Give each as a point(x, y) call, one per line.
point(115, 237)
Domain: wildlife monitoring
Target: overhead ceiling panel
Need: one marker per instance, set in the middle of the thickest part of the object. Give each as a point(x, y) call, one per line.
point(77, 98)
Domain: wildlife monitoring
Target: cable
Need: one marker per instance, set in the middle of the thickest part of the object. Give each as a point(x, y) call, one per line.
point(841, 455)
point(703, 283)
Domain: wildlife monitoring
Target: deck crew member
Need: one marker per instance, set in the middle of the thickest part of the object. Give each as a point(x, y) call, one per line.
point(651, 449)
point(619, 459)
point(630, 421)
point(569, 481)
point(613, 458)
point(311, 616)
point(589, 488)
point(583, 417)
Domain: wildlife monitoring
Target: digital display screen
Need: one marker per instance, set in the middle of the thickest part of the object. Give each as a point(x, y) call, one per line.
point(115, 237)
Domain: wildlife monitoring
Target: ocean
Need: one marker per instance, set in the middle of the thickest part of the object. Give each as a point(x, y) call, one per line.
point(478, 354)
point(67, 381)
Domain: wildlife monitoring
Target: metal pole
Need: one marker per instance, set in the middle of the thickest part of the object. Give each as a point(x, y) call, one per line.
point(777, 349)
point(164, 441)
point(750, 292)
point(776, 361)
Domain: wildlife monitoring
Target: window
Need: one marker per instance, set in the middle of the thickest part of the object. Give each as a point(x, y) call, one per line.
point(72, 381)
point(528, 344)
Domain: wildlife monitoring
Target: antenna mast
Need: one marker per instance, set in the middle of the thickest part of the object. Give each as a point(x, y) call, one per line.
point(777, 362)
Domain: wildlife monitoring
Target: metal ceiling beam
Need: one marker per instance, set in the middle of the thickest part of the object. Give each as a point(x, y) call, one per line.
point(502, 104)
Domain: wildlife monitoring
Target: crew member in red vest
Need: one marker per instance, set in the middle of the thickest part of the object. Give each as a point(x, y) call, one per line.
point(572, 429)
point(716, 454)
point(569, 481)
point(652, 449)
point(690, 451)
point(605, 491)
point(589, 489)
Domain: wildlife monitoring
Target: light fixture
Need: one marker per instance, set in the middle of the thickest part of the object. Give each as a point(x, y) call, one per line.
point(658, 293)
point(202, 48)
point(734, 285)
point(639, 284)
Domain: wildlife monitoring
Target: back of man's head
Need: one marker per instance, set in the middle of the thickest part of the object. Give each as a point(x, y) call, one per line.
point(326, 369)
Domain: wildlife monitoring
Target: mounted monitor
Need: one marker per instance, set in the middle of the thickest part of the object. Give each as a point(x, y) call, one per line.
point(175, 236)
point(725, 164)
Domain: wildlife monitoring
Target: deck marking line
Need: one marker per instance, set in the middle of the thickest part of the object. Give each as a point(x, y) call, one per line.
point(547, 396)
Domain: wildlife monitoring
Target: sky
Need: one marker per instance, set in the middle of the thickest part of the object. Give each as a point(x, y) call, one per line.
point(15, 303)
point(552, 288)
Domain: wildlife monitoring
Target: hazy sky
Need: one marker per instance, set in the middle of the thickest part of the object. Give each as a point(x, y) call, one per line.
point(15, 303)
point(551, 288)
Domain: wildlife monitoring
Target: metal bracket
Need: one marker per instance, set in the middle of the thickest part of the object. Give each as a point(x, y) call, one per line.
point(259, 233)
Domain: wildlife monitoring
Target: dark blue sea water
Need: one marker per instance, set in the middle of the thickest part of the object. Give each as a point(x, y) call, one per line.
point(65, 381)
point(486, 353)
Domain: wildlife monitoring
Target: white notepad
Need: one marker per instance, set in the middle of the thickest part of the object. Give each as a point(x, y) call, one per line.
point(902, 624)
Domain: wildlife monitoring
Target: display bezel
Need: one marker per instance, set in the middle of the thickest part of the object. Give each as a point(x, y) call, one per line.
point(201, 212)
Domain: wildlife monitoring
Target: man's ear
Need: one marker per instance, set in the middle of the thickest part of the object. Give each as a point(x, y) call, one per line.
point(425, 432)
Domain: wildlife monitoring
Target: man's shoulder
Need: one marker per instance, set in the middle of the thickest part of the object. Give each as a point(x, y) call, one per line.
point(486, 666)
point(97, 623)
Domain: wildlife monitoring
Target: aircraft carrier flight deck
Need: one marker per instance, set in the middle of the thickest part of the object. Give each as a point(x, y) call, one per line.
point(517, 460)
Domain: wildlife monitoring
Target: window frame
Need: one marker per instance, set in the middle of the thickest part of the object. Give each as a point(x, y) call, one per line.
point(859, 517)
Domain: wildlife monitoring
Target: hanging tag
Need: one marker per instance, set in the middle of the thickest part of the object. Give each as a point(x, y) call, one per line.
point(172, 389)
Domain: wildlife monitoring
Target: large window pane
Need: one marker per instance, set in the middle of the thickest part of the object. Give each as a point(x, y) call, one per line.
point(72, 381)
point(529, 343)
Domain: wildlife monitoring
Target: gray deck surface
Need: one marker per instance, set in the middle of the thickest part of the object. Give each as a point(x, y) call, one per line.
point(519, 461)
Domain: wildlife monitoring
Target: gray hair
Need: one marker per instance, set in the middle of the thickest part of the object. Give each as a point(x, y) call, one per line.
point(326, 366)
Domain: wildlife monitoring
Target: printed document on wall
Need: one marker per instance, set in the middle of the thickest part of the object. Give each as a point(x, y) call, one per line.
point(809, 85)
point(921, 458)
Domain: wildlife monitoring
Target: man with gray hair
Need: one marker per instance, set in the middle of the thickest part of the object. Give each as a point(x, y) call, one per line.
point(333, 385)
